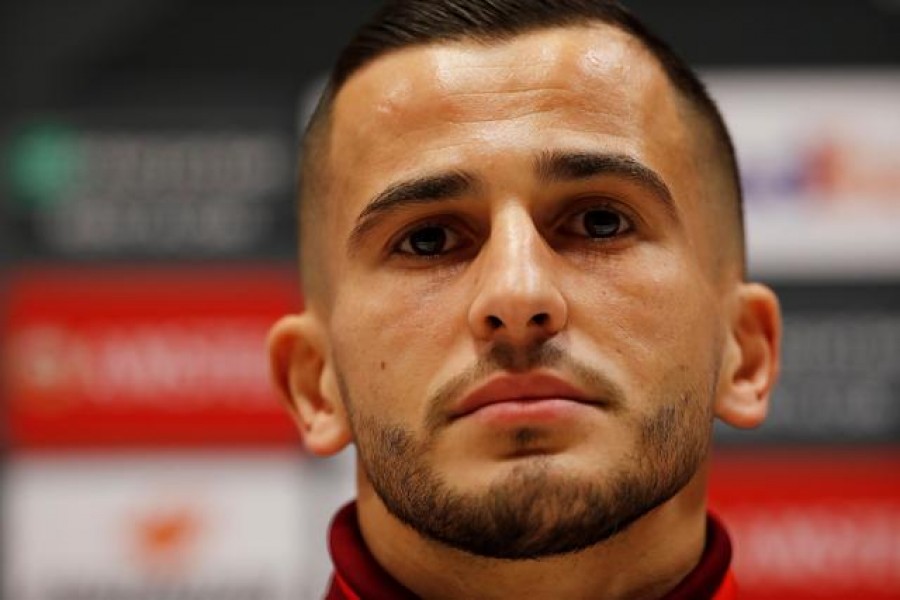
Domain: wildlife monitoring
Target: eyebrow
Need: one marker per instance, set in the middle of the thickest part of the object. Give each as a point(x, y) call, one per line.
point(551, 166)
point(560, 166)
point(420, 190)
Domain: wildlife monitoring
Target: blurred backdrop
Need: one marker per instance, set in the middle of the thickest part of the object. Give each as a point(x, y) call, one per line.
point(147, 227)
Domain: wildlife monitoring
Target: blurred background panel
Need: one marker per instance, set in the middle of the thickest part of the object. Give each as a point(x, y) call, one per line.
point(147, 240)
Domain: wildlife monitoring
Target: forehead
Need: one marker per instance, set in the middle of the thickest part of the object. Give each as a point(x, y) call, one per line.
point(595, 80)
point(457, 76)
point(465, 104)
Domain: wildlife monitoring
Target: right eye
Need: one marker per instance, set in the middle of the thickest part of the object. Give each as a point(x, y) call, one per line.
point(429, 240)
point(603, 224)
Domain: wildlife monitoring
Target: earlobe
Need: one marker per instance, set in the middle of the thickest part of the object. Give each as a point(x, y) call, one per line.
point(301, 369)
point(751, 363)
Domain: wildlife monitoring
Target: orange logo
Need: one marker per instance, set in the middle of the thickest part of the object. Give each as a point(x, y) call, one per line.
point(165, 539)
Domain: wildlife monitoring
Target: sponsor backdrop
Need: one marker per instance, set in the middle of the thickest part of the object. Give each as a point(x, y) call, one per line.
point(147, 236)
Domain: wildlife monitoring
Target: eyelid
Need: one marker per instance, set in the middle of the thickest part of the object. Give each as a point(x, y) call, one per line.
point(446, 222)
point(589, 203)
point(452, 243)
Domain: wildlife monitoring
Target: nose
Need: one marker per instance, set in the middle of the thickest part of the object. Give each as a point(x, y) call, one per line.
point(517, 300)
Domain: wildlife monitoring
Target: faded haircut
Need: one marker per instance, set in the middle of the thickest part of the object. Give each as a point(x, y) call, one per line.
point(408, 23)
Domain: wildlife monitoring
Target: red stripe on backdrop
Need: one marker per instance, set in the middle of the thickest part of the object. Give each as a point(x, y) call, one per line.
point(144, 356)
point(811, 523)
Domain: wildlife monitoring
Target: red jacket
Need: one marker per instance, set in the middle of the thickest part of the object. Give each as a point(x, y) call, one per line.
point(357, 576)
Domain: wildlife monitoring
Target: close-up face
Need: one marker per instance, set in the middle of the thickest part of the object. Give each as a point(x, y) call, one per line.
point(523, 297)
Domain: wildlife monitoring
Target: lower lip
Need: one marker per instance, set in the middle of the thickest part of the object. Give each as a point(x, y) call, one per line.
point(536, 410)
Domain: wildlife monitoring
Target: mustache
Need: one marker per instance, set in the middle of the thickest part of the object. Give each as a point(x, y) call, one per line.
point(515, 359)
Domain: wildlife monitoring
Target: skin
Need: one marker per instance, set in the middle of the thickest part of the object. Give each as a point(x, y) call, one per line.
point(653, 308)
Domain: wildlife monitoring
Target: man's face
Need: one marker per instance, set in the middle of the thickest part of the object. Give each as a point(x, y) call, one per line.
point(521, 228)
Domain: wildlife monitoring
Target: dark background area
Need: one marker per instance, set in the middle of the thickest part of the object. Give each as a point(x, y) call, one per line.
point(109, 54)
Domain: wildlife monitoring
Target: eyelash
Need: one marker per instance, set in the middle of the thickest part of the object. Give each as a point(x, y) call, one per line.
point(628, 222)
point(406, 235)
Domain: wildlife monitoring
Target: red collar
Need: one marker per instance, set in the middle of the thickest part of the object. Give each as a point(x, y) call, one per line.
point(358, 576)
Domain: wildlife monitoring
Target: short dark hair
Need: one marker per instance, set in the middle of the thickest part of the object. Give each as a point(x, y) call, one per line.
point(407, 23)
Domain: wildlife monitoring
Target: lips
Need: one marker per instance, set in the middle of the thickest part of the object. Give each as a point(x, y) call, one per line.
point(519, 388)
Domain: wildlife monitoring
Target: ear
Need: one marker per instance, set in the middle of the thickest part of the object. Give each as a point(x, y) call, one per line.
point(302, 370)
point(751, 364)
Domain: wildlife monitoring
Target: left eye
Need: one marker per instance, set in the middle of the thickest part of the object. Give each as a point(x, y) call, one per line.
point(429, 240)
point(600, 223)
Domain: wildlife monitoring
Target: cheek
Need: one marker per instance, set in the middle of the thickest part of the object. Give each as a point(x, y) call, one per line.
point(391, 336)
point(655, 318)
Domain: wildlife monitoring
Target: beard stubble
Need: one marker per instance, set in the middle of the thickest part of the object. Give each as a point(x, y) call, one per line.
point(536, 509)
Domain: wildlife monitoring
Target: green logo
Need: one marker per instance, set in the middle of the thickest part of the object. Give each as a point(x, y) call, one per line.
point(43, 158)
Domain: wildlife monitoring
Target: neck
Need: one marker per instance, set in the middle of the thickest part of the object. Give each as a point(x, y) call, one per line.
point(644, 561)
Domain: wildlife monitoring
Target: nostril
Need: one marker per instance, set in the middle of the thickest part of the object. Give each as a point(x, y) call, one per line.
point(494, 322)
point(540, 319)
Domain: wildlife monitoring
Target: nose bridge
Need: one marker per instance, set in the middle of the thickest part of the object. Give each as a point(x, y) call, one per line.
point(515, 260)
point(517, 297)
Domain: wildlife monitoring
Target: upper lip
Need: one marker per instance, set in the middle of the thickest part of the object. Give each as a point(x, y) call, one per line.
point(513, 387)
